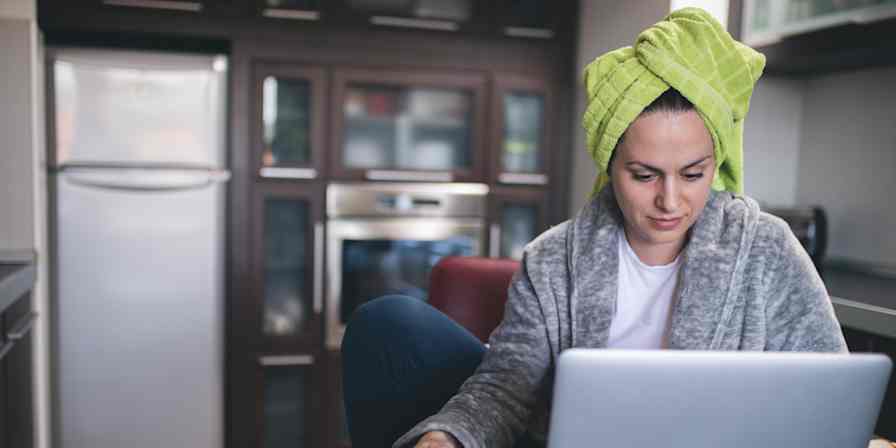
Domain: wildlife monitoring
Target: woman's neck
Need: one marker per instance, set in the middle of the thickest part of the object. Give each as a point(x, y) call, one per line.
point(655, 254)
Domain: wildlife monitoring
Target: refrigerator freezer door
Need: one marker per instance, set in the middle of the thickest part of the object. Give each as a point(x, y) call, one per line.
point(139, 300)
point(135, 107)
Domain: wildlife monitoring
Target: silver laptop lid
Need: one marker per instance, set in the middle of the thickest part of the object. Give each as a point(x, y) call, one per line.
point(631, 398)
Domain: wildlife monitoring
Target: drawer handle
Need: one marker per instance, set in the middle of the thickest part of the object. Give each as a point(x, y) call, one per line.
point(22, 327)
point(295, 14)
point(533, 33)
point(523, 178)
point(157, 4)
point(274, 172)
point(402, 22)
point(494, 241)
point(295, 360)
point(424, 176)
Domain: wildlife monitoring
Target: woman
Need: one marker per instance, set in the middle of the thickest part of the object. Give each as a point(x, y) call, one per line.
point(665, 255)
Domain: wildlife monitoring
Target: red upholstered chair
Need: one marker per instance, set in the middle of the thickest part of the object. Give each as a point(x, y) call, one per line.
point(472, 291)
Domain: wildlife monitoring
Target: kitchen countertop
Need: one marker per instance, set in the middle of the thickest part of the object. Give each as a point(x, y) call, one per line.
point(17, 275)
point(863, 300)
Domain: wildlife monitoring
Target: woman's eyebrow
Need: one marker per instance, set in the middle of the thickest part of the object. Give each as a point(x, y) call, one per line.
point(657, 170)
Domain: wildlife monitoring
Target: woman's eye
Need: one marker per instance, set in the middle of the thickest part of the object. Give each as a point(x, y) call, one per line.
point(643, 177)
point(693, 177)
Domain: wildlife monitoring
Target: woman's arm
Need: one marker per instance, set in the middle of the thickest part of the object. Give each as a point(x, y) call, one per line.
point(492, 408)
point(799, 313)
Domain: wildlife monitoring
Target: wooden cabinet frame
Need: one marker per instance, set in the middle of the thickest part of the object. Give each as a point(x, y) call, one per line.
point(505, 84)
point(316, 78)
point(302, 350)
point(315, 430)
point(309, 342)
point(500, 197)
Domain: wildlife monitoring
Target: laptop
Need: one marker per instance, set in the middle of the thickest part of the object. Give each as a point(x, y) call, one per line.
point(701, 399)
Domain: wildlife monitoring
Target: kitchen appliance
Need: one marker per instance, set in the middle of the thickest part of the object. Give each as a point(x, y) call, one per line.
point(384, 238)
point(137, 182)
point(810, 225)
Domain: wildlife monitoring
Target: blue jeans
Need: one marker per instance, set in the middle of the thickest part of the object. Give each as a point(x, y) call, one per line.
point(401, 361)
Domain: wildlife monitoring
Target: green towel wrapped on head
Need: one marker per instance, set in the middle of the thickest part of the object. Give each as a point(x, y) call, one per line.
point(690, 52)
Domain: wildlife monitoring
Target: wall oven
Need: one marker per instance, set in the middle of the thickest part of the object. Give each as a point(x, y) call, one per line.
point(384, 238)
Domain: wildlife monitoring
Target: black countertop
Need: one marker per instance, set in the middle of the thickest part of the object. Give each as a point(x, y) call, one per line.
point(17, 275)
point(862, 300)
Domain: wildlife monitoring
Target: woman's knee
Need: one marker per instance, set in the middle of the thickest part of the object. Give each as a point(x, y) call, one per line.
point(382, 318)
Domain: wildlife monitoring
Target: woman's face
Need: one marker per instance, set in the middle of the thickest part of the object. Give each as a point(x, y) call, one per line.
point(661, 175)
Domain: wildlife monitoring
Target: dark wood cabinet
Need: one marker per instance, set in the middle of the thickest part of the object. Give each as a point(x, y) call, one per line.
point(286, 362)
point(532, 19)
point(16, 376)
point(288, 412)
point(337, 428)
point(516, 217)
point(344, 90)
point(288, 267)
point(465, 16)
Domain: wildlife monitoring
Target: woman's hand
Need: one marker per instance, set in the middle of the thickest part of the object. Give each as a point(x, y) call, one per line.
point(437, 439)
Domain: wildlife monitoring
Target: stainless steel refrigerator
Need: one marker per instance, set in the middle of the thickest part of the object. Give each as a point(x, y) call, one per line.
point(137, 180)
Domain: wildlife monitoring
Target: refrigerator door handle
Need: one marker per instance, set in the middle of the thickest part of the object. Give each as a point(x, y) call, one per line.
point(144, 179)
point(494, 240)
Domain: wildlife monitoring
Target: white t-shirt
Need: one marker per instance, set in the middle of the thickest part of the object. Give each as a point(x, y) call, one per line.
point(643, 302)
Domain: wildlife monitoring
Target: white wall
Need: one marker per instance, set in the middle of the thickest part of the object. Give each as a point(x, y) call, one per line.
point(23, 218)
point(716, 8)
point(16, 112)
point(772, 141)
point(18, 9)
point(604, 25)
point(848, 161)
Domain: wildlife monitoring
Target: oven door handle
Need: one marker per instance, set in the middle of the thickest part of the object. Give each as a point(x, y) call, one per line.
point(318, 267)
point(494, 240)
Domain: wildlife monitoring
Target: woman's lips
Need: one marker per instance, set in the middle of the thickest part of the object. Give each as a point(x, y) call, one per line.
point(665, 224)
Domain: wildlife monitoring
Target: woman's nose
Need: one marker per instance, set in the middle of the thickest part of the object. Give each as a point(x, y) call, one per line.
point(667, 198)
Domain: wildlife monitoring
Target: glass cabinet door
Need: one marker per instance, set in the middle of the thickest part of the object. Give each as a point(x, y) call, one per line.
point(287, 276)
point(768, 21)
point(288, 130)
point(288, 414)
point(289, 251)
point(393, 126)
point(520, 141)
point(518, 216)
point(337, 426)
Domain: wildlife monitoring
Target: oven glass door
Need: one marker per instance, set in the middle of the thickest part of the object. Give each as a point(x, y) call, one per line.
point(370, 258)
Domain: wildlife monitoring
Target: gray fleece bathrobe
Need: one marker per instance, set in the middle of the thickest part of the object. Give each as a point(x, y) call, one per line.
point(746, 284)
